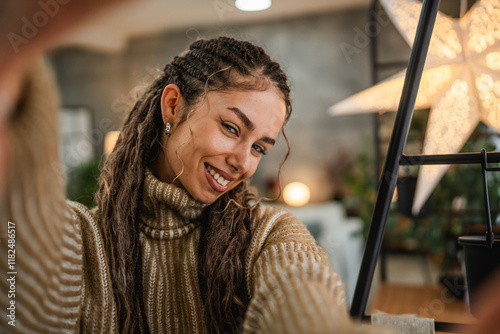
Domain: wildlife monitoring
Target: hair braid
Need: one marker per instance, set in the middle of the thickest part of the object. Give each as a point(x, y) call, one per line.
point(209, 65)
point(204, 59)
point(243, 50)
point(183, 64)
point(227, 57)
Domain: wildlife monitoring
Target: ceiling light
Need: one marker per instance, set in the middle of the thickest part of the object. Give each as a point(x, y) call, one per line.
point(252, 5)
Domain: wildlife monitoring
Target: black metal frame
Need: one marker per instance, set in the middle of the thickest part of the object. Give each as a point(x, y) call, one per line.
point(395, 158)
point(374, 65)
point(396, 145)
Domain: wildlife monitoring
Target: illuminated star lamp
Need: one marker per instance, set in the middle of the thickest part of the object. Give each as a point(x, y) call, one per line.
point(460, 83)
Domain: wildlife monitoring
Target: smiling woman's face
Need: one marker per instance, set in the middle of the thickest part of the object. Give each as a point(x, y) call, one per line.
point(221, 143)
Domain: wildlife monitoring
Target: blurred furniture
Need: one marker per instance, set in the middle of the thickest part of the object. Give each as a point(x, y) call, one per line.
point(339, 236)
point(429, 301)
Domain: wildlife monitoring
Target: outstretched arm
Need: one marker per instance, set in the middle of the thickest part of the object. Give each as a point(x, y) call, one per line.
point(292, 287)
point(41, 247)
point(24, 40)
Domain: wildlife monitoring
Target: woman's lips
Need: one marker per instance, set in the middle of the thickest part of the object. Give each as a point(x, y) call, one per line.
point(215, 179)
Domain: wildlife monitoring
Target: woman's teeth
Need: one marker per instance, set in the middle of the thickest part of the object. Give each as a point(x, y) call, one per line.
point(220, 180)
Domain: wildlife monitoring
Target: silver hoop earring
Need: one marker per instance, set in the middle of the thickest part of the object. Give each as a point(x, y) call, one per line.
point(167, 128)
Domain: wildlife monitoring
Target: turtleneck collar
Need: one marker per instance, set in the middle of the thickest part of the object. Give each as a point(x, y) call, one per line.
point(168, 211)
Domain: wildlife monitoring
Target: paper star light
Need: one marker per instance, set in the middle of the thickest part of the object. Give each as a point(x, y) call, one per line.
point(460, 83)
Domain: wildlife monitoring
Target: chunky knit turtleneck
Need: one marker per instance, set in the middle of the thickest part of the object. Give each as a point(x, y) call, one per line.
point(169, 221)
point(168, 211)
point(62, 278)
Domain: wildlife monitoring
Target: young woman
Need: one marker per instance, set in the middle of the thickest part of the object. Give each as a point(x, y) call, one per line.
point(176, 243)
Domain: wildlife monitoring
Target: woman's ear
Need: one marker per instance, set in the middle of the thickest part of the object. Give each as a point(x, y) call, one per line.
point(170, 102)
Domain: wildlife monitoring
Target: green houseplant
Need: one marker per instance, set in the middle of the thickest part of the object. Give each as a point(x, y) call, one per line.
point(82, 182)
point(456, 206)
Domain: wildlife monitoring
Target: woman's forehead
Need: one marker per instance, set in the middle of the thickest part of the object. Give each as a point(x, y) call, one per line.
point(252, 103)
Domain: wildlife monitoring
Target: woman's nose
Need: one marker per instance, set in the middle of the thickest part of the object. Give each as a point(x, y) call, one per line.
point(240, 160)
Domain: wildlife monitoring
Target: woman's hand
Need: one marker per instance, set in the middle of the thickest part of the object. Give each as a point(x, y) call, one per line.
point(488, 312)
point(24, 43)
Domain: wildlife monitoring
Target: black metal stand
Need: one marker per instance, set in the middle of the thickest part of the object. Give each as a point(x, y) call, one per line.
point(376, 65)
point(395, 158)
point(396, 145)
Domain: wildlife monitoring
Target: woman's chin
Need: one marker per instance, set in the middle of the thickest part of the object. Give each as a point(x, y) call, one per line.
point(204, 198)
point(210, 195)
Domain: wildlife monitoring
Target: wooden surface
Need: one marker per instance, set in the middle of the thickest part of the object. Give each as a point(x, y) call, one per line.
point(429, 301)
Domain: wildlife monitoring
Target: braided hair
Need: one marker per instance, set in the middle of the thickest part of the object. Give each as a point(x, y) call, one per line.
point(209, 65)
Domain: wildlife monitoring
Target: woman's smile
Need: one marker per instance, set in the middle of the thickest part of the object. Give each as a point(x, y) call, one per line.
point(221, 142)
point(217, 178)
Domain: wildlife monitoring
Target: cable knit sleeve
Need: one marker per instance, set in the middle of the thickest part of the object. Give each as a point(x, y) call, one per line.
point(41, 244)
point(290, 283)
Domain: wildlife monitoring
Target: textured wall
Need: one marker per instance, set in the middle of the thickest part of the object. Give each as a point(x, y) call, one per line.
point(326, 57)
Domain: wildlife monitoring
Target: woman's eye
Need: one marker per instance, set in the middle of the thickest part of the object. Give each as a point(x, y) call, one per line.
point(259, 149)
point(230, 128)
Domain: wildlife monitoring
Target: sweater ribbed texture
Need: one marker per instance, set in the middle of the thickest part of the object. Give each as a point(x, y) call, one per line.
point(48, 245)
point(63, 280)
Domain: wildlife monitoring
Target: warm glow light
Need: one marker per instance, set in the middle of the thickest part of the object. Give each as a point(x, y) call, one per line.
point(460, 83)
point(252, 5)
point(493, 60)
point(385, 96)
point(110, 141)
point(296, 194)
point(483, 23)
point(446, 37)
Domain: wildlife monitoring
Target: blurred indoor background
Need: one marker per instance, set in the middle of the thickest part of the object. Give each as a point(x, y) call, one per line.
point(323, 46)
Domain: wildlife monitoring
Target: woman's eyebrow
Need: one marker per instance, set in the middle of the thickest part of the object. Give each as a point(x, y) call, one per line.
point(269, 140)
point(249, 124)
point(246, 121)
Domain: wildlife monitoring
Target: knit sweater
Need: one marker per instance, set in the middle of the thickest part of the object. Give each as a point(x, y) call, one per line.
point(60, 277)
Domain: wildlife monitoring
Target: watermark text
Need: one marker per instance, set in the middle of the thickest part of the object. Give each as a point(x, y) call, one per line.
point(12, 273)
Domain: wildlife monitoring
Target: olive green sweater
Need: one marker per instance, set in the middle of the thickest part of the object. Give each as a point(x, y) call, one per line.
point(61, 277)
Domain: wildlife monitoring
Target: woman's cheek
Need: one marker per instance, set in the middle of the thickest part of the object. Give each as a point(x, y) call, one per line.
point(219, 143)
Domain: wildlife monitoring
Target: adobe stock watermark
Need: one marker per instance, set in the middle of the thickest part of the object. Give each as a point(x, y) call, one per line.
point(73, 155)
point(222, 7)
point(122, 106)
point(30, 26)
point(362, 38)
point(11, 273)
point(193, 34)
point(437, 306)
